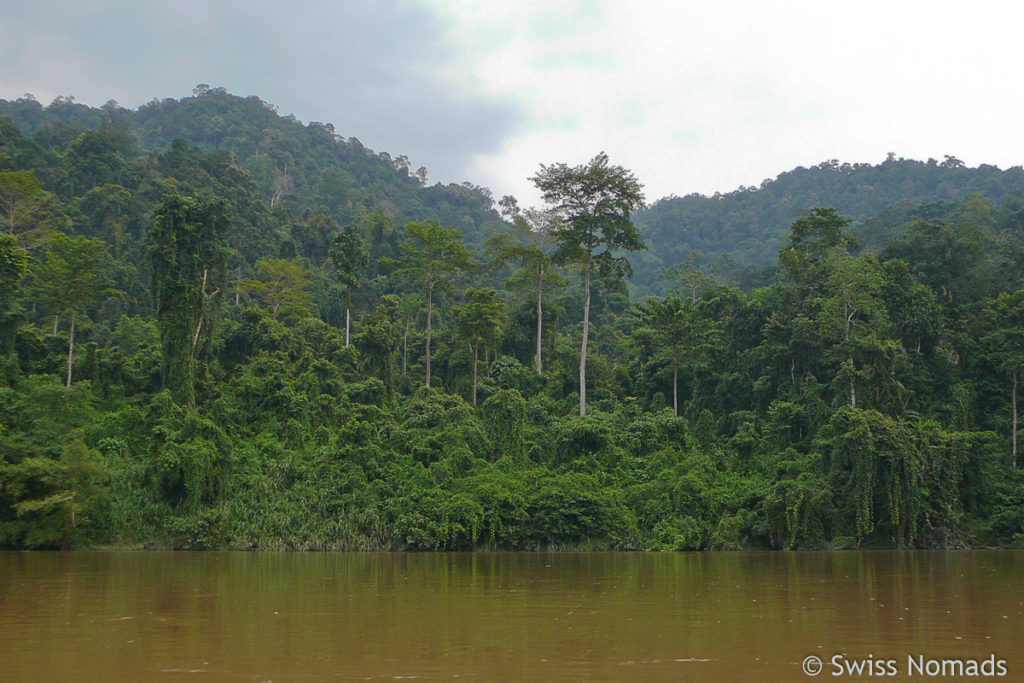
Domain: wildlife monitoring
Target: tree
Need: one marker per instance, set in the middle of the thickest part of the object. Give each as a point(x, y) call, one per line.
point(676, 328)
point(281, 283)
point(688, 276)
point(479, 322)
point(594, 201)
point(75, 276)
point(350, 260)
point(26, 210)
point(188, 255)
point(529, 245)
point(13, 264)
point(853, 319)
point(1005, 343)
point(813, 238)
point(431, 256)
point(408, 308)
point(105, 212)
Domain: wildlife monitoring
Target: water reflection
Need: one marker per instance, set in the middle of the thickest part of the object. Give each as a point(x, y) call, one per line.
point(611, 616)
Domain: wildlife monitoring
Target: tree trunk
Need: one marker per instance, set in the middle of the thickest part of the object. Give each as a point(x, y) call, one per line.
point(347, 325)
point(202, 307)
point(853, 389)
point(583, 347)
point(475, 352)
point(849, 312)
point(675, 386)
point(1013, 402)
point(405, 347)
point(430, 311)
point(71, 345)
point(540, 317)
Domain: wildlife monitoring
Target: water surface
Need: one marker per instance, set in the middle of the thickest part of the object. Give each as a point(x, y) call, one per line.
point(596, 616)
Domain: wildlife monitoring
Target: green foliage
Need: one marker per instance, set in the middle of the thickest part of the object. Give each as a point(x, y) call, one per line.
point(738, 232)
point(843, 397)
point(26, 210)
point(188, 258)
point(431, 257)
point(13, 263)
point(281, 285)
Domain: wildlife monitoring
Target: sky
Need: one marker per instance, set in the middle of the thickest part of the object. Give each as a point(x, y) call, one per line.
point(691, 96)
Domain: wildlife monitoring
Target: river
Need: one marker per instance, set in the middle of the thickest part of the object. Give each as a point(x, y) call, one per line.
point(508, 616)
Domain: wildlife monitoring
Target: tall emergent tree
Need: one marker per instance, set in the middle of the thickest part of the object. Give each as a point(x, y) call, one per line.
point(189, 255)
point(350, 260)
point(431, 256)
point(594, 201)
point(75, 276)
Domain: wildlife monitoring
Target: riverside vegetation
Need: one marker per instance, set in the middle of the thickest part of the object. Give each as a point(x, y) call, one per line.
point(221, 328)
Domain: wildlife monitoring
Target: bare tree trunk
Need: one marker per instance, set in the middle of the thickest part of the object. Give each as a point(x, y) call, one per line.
point(199, 326)
point(1013, 401)
point(675, 386)
point(540, 317)
point(475, 353)
point(71, 346)
point(405, 347)
point(202, 311)
point(583, 347)
point(347, 325)
point(853, 389)
point(56, 322)
point(430, 311)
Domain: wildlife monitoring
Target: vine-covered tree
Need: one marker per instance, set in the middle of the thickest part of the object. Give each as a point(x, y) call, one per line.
point(188, 256)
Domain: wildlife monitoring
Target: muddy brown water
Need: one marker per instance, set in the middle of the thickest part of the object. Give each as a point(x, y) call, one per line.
point(731, 616)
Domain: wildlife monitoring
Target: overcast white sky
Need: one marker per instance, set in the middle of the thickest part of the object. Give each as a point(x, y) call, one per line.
point(692, 96)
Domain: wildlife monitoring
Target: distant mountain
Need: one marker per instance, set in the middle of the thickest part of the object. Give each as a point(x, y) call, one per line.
point(300, 168)
point(297, 167)
point(746, 227)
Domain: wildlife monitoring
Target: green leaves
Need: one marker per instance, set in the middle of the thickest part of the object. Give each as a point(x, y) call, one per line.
point(594, 201)
point(281, 284)
point(75, 274)
point(188, 256)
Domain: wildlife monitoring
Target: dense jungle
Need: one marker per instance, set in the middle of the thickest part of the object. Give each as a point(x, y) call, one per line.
point(221, 327)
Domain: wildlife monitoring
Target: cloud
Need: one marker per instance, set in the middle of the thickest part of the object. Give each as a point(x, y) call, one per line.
point(706, 95)
point(703, 95)
point(372, 68)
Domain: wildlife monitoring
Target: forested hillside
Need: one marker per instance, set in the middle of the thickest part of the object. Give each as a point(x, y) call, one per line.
point(295, 168)
point(221, 328)
point(734, 231)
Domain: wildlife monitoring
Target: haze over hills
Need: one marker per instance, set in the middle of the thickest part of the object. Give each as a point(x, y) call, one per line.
point(300, 167)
